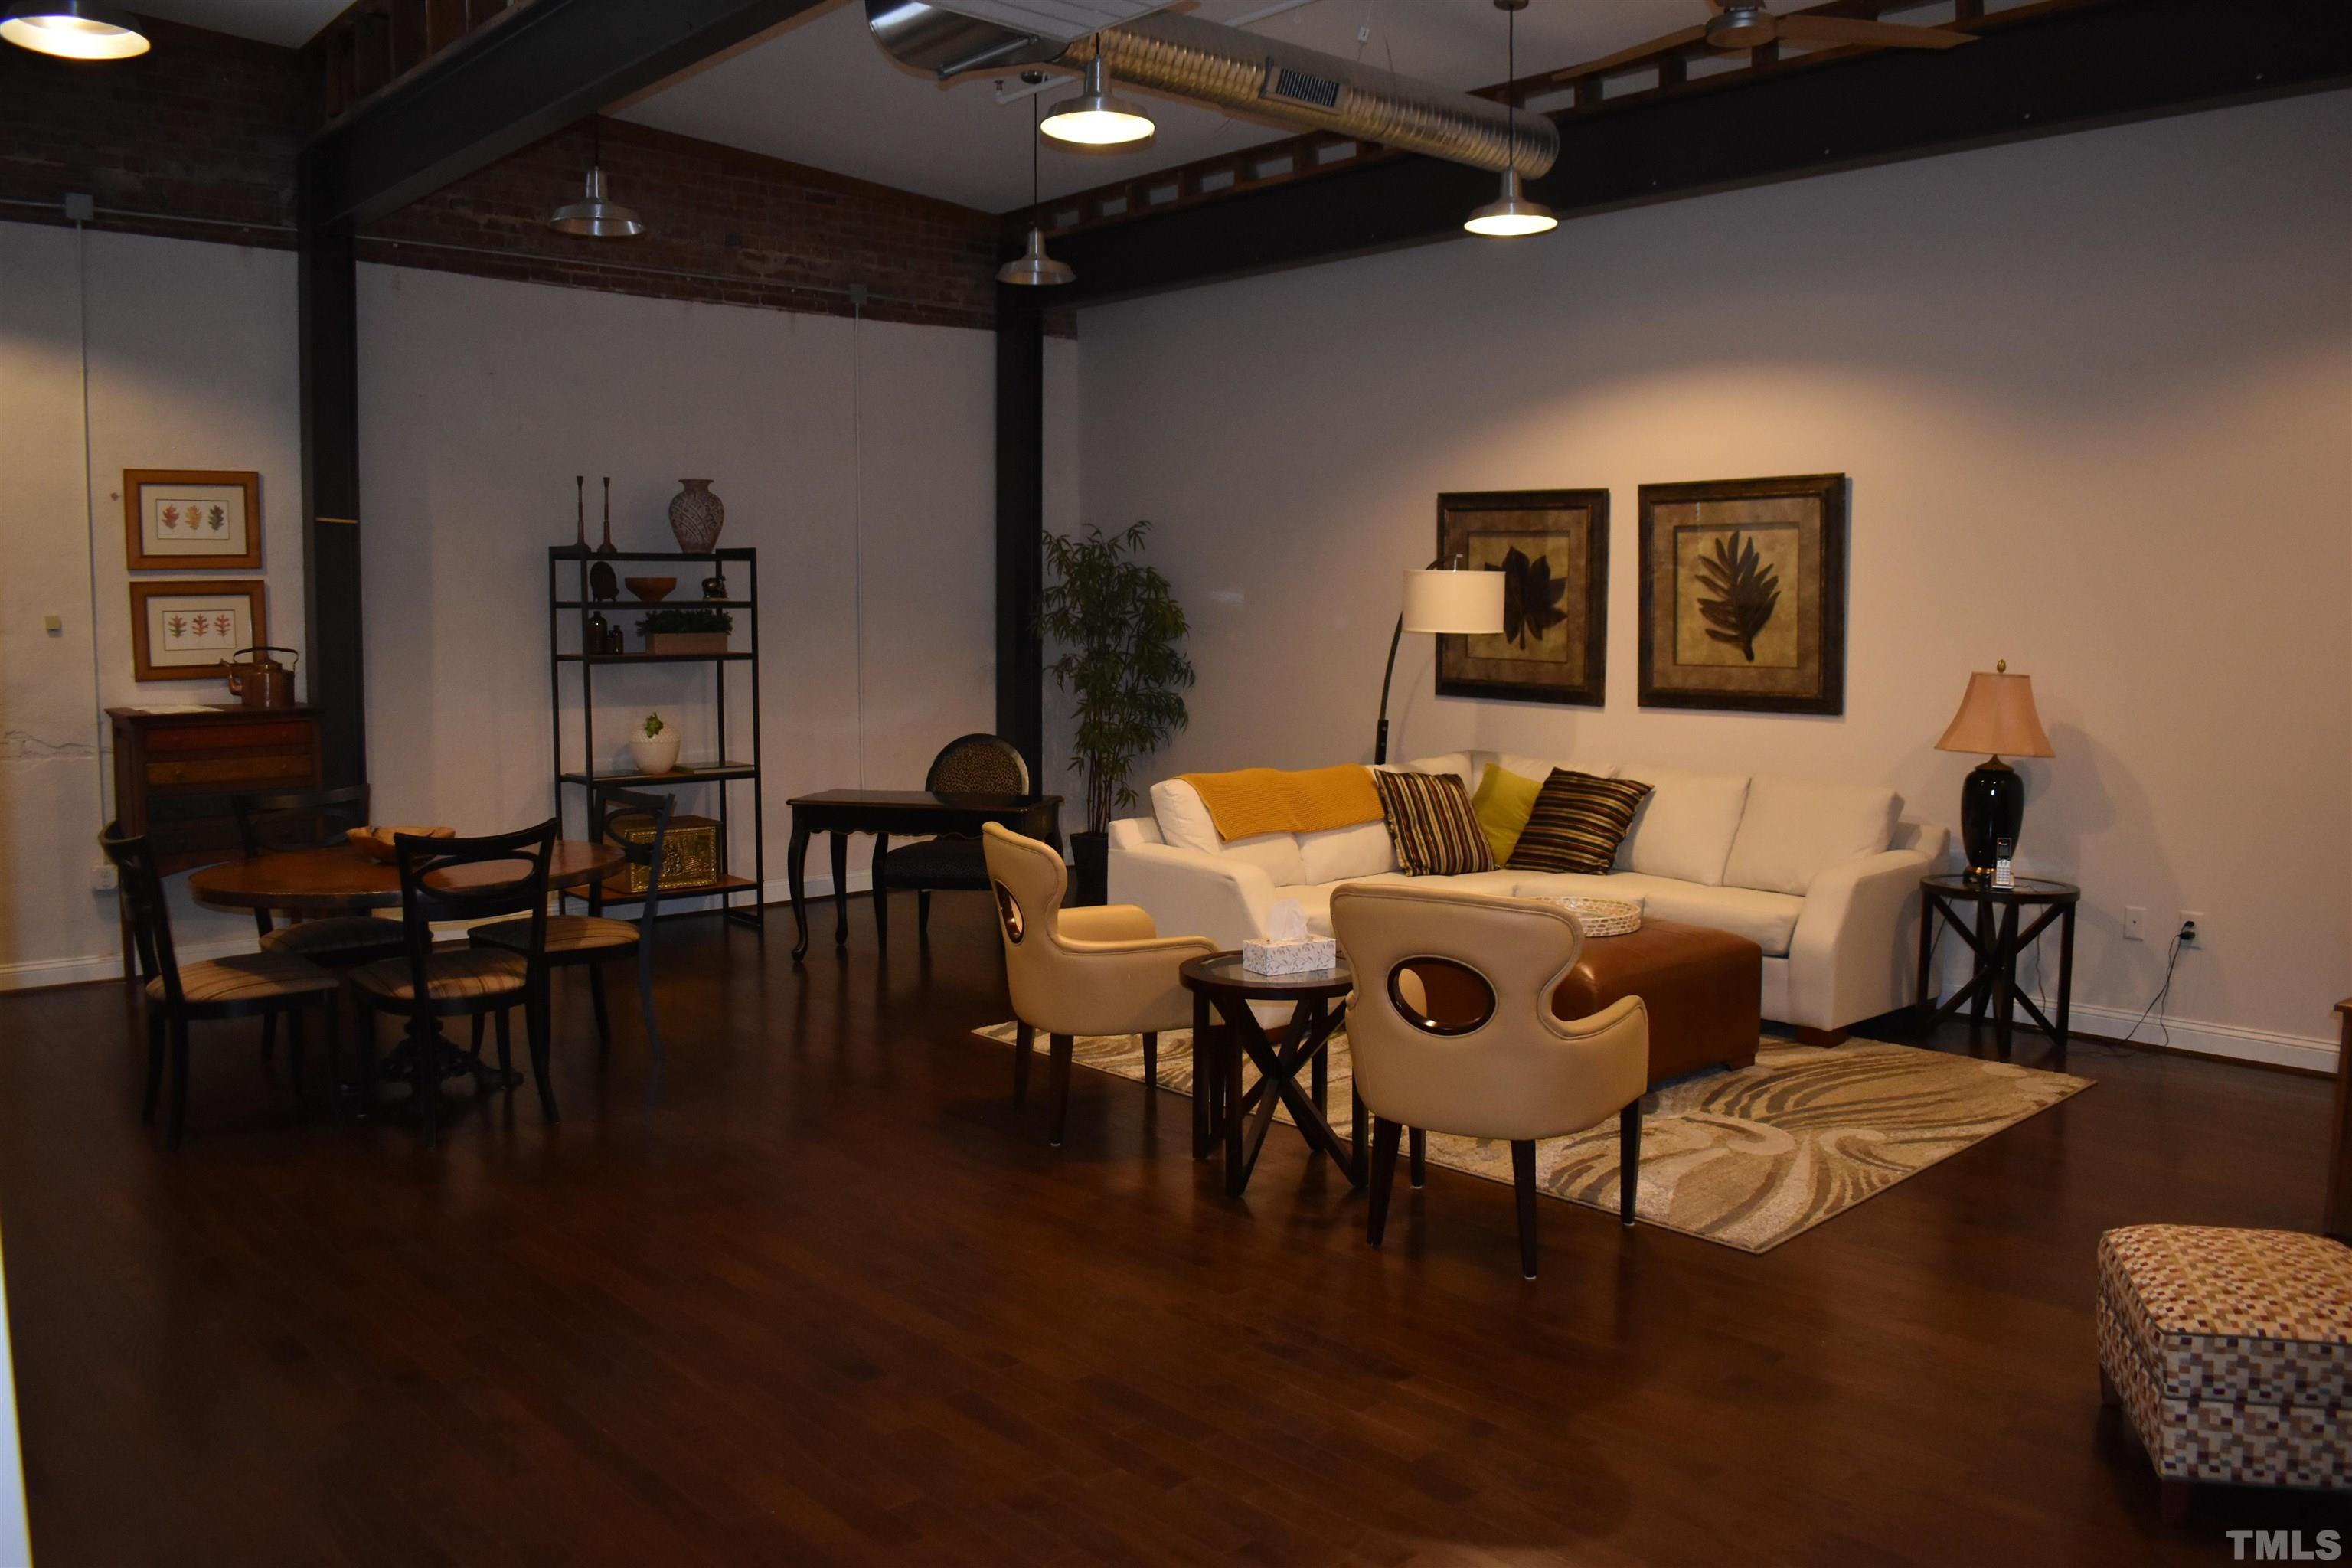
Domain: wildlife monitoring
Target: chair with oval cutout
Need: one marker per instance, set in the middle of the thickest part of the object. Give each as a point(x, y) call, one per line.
point(1452, 1030)
point(1102, 971)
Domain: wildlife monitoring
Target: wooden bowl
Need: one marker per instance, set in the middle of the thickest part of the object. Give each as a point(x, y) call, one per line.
point(650, 590)
point(375, 843)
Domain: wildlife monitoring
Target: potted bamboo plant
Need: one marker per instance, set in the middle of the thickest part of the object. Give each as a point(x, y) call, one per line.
point(1122, 636)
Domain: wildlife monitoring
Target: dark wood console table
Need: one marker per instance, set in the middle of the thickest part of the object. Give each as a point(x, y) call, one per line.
point(883, 812)
point(174, 774)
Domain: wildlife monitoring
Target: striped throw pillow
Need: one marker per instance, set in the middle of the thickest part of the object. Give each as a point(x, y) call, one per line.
point(1430, 822)
point(1577, 824)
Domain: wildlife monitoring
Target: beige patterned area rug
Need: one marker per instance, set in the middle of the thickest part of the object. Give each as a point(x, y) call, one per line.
point(1747, 1157)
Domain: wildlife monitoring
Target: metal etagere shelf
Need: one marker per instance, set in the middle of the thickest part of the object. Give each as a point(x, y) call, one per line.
point(737, 897)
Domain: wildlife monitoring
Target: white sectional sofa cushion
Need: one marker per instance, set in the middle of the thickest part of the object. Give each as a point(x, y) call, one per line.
point(1684, 826)
point(1793, 830)
point(1821, 875)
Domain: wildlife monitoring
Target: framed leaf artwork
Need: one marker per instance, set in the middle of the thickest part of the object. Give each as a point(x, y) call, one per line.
point(184, 630)
point(1743, 594)
point(182, 519)
point(1553, 553)
point(1552, 548)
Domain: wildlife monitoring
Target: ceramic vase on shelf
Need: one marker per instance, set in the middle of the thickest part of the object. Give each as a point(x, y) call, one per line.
point(696, 516)
point(656, 753)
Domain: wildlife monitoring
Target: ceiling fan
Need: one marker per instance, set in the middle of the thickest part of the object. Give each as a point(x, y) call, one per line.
point(1737, 25)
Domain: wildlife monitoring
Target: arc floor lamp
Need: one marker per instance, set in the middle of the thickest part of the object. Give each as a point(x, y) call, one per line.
point(1440, 601)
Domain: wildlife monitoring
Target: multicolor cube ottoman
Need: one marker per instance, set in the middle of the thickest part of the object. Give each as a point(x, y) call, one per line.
point(2231, 1352)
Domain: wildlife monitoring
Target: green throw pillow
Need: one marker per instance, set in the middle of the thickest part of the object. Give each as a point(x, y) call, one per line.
point(1503, 802)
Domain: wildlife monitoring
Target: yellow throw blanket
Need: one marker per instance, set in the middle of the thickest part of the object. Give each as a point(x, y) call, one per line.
point(1251, 801)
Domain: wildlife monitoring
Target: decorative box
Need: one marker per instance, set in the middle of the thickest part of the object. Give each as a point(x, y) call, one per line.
point(690, 857)
point(1301, 955)
point(686, 642)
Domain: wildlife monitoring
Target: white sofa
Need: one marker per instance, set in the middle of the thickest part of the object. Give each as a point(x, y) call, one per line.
point(1823, 877)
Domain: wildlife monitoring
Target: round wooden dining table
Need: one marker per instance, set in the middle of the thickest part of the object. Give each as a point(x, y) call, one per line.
point(340, 880)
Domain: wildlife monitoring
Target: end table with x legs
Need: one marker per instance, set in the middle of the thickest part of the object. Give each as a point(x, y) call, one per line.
point(1991, 934)
point(1222, 990)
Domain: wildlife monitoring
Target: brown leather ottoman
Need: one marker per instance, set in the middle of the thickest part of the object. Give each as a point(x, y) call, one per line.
point(1704, 990)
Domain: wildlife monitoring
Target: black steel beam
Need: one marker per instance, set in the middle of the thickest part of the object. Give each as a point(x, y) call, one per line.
point(520, 79)
point(2069, 70)
point(1020, 528)
point(328, 307)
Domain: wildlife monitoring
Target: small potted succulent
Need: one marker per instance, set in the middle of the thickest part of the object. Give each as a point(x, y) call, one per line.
point(655, 750)
point(693, 632)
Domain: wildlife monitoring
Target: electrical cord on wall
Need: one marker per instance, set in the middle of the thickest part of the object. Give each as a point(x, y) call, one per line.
point(857, 512)
point(90, 526)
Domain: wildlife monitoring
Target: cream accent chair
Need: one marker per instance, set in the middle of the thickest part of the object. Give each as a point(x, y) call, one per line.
point(1079, 972)
point(1452, 1030)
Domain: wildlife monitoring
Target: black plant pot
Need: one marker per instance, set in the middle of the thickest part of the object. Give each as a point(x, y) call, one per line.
point(1090, 874)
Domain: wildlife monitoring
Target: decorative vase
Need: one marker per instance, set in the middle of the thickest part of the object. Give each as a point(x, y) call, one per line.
point(696, 516)
point(654, 753)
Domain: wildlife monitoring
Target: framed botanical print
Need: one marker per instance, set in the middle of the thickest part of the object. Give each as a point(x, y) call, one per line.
point(191, 520)
point(183, 630)
point(1552, 548)
point(1743, 594)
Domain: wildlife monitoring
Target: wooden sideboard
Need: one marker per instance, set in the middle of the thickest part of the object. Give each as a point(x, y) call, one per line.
point(174, 773)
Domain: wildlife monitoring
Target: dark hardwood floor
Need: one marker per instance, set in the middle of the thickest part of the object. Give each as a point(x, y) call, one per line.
point(832, 1298)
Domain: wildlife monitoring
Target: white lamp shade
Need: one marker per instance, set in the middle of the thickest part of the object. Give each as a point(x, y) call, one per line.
point(1461, 602)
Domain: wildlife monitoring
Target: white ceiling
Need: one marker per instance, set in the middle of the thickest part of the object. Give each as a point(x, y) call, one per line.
point(822, 94)
point(290, 23)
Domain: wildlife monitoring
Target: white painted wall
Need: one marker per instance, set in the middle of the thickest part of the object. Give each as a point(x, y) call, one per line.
point(190, 350)
point(2095, 397)
point(857, 457)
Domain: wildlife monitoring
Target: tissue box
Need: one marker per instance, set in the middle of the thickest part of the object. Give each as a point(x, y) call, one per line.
point(1305, 955)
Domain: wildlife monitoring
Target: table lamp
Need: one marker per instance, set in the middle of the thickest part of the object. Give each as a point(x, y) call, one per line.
point(1995, 715)
point(1441, 600)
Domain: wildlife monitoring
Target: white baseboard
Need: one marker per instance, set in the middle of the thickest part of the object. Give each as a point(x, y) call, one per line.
point(35, 973)
point(2311, 1052)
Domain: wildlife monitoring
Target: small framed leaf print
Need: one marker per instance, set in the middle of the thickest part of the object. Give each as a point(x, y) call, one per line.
point(1552, 548)
point(182, 519)
point(1743, 594)
point(187, 630)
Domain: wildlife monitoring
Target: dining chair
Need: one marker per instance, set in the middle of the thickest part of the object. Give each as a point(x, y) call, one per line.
point(968, 764)
point(458, 880)
point(311, 819)
point(594, 939)
point(1099, 971)
point(1452, 1030)
point(177, 994)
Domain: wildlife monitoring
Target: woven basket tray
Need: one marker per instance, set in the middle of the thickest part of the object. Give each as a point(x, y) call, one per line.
point(1602, 916)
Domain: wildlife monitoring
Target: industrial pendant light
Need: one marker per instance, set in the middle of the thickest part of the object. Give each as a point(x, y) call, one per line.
point(1034, 268)
point(596, 216)
point(72, 30)
point(1099, 117)
point(1511, 214)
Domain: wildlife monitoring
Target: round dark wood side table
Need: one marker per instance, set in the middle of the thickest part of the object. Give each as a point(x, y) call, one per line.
point(1222, 986)
point(1993, 935)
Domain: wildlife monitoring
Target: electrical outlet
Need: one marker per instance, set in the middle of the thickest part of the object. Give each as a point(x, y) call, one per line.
point(2191, 938)
point(102, 877)
point(2135, 924)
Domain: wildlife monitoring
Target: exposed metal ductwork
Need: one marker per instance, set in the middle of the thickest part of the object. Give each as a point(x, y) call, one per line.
point(1227, 68)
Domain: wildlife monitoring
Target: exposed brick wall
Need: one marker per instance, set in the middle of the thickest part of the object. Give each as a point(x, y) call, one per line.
point(204, 129)
point(754, 230)
point(202, 126)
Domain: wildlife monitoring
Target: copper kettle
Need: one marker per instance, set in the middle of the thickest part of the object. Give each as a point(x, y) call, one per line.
point(262, 681)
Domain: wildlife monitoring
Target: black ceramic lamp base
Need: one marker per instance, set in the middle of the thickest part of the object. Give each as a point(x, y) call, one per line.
point(1992, 808)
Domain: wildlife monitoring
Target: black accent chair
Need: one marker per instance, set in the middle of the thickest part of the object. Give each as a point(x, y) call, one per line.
point(594, 938)
point(968, 764)
point(176, 995)
point(311, 819)
point(425, 986)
